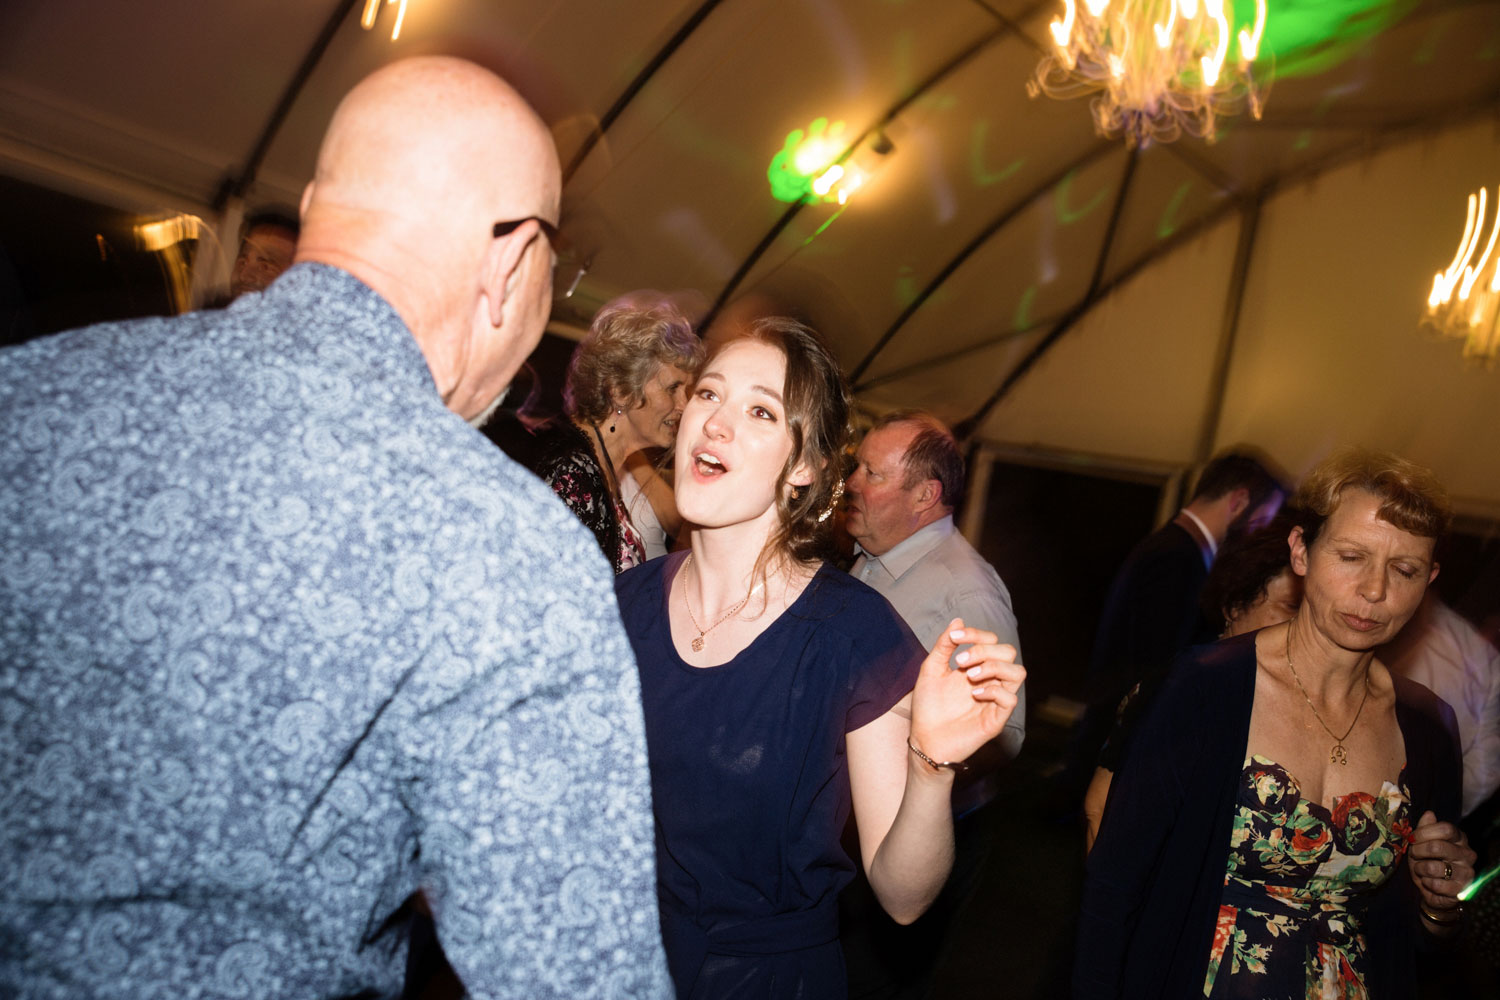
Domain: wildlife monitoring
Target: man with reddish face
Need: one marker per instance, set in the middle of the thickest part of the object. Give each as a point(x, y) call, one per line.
point(901, 496)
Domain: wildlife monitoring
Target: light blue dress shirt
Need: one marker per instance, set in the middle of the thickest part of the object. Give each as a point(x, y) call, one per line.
point(933, 576)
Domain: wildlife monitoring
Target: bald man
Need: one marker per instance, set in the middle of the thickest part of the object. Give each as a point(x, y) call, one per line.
point(287, 640)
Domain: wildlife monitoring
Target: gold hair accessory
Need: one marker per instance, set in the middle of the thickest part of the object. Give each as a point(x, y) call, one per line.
point(833, 501)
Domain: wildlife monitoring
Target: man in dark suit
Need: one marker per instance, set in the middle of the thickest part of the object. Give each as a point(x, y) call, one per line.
point(1151, 613)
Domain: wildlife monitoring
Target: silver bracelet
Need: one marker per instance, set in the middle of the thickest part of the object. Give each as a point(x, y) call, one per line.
point(954, 766)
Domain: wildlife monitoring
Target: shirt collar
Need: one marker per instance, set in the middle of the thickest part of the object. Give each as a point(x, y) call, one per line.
point(371, 330)
point(1208, 536)
point(909, 551)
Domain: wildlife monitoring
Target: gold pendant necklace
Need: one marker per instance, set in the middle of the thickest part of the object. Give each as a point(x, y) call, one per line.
point(698, 642)
point(1338, 755)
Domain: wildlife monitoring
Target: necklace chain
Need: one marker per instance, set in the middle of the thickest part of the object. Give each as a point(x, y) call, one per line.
point(698, 642)
point(609, 465)
point(1337, 755)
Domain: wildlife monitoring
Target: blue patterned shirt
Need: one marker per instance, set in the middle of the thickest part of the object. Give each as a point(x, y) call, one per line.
point(283, 639)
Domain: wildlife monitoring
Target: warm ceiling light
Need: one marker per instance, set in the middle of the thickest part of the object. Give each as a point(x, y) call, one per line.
point(813, 165)
point(159, 234)
point(372, 8)
point(167, 238)
point(1158, 67)
point(1465, 299)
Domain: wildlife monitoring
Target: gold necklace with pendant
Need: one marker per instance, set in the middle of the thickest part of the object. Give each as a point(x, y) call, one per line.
point(1337, 755)
point(698, 642)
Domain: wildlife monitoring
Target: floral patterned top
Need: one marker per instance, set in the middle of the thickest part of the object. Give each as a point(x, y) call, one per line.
point(567, 463)
point(1298, 882)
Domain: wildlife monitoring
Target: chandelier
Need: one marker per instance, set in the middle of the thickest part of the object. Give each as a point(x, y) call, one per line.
point(372, 8)
point(1465, 299)
point(1158, 67)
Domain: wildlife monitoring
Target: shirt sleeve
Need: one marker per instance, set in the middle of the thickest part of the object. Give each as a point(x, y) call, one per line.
point(1482, 755)
point(886, 657)
point(529, 784)
point(990, 609)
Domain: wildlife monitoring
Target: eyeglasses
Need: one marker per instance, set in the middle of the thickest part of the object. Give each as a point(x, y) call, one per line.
point(567, 270)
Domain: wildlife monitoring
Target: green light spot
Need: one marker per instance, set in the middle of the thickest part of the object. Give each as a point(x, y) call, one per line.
point(1472, 889)
point(1167, 224)
point(803, 157)
point(907, 290)
point(1424, 55)
point(904, 45)
point(983, 176)
point(906, 286)
point(1068, 216)
point(1021, 322)
point(826, 223)
point(1310, 37)
point(1303, 140)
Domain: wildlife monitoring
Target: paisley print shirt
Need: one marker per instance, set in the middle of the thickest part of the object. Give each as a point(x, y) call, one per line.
point(283, 639)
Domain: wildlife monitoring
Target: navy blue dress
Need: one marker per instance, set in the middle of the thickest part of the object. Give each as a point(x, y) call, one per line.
point(750, 781)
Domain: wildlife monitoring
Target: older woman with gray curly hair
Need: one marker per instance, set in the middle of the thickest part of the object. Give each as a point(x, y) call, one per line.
point(626, 386)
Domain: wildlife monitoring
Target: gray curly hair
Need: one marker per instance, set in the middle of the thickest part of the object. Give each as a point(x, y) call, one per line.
point(629, 340)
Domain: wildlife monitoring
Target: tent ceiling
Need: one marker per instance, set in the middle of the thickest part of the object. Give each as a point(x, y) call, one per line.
point(995, 227)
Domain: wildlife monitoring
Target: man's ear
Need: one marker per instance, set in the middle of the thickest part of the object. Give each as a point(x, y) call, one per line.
point(1239, 501)
point(929, 494)
point(503, 260)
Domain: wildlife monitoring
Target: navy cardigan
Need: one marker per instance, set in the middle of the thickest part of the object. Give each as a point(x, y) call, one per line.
point(1156, 873)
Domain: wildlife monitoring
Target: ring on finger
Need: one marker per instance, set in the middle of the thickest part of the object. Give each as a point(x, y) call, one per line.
point(1447, 870)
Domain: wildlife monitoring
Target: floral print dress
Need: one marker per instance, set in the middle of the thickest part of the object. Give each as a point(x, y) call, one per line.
point(565, 460)
point(1299, 879)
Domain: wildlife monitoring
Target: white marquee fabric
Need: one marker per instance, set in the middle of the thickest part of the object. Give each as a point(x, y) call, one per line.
point(1065, 299)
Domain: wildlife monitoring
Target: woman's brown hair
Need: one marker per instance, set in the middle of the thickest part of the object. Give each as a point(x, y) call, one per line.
point(817, 405)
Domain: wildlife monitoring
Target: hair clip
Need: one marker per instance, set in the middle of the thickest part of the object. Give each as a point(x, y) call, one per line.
point(833, 501)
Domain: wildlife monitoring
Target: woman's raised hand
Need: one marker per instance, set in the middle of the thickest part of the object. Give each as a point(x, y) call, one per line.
point(954, 712)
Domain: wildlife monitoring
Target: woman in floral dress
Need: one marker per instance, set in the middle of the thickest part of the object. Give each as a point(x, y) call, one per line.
point(1283, 824)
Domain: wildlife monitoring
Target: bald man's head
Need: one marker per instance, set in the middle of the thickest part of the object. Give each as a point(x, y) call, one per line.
point(420, 161)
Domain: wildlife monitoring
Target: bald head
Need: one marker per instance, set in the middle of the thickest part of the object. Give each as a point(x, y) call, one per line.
point(420, 161)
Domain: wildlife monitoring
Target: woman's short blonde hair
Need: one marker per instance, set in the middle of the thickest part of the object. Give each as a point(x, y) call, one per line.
point(1410, 496)
point(628, 342)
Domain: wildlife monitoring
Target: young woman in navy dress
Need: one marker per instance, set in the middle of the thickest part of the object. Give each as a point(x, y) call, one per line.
point(780, 692)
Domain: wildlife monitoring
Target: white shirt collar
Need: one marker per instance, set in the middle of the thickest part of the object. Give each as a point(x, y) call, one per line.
point(1213, 546)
